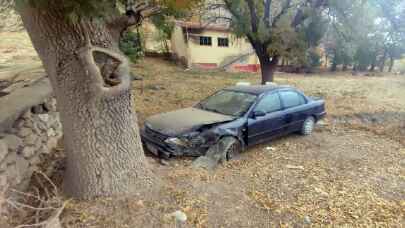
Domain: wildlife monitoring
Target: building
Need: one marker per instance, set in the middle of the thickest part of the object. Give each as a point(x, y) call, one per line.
point(212, 46)
point(205, 41)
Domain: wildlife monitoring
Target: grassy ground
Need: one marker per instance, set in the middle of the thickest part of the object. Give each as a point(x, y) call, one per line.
point(350, 172)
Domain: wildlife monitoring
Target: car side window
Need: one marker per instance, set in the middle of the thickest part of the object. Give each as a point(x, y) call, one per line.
point(269, 103)
point(291, 99)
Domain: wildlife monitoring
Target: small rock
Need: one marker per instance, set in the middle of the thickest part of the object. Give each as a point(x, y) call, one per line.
point(13, 142)
point(28, 152)
point(50, 105)
point(164, 162)
point(294, 167)
point(44, 150)
point(179, 216)
point(51, 132)
point(31, 140)
point(270, 148)
point(155, 87)
point(24, 132)
point(52, 143)
point(140, 203)
point(44, 117)
point(307, 220)
point(34, 161)
point(21, 169)
point(26, 115)
point(322, 123)
point(321, 192)
point(135, 77)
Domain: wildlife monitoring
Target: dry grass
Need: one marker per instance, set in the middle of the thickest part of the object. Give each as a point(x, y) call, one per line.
point(351, 172)
point(343, 175)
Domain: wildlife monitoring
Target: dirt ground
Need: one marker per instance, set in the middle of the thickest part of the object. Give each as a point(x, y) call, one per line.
point(349, 173)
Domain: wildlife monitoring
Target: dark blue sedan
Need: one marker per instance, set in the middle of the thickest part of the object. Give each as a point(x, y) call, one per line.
point(231, 120)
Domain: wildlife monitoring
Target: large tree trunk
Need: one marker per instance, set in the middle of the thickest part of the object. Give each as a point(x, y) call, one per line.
point(101, 135)
point(268, 67)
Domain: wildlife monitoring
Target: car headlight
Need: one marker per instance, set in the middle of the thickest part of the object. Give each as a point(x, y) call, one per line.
point(176, 141)
point(189, 140)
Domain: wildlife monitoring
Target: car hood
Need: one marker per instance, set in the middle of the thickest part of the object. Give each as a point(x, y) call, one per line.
point(184, 120)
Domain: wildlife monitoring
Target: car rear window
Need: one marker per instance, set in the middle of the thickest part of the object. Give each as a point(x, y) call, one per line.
point(291, 99)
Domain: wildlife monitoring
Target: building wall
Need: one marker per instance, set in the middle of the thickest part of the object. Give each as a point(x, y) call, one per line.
point(214, 54)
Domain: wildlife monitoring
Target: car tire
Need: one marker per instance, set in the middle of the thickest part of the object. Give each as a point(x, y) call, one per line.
point(232, 147)
point(308, 126)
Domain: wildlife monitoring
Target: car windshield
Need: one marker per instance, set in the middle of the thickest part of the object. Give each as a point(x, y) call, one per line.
point(229, 103)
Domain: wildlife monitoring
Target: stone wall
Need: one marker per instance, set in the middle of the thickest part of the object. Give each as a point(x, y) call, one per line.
point(29, 128)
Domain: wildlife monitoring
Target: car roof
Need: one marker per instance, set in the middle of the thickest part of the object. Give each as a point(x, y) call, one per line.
point(256, 89)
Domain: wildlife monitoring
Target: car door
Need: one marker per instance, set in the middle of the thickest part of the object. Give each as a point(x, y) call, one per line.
point(261, 128)
point(294, 109)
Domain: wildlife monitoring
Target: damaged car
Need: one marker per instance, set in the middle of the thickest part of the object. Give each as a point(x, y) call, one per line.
point(234, 118)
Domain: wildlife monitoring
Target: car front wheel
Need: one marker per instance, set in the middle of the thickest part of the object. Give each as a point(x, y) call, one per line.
point(308, 126)
point(232, 147)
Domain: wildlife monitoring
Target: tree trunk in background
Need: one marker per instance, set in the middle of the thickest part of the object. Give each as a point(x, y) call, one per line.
point(372, 68)
point(392, 62)
point(383, 59)
point(268, 67)
point(101, 134)
point(344, 68)
point(334, 66)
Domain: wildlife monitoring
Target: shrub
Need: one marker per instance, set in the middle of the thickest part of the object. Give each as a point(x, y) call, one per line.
point(131, 45)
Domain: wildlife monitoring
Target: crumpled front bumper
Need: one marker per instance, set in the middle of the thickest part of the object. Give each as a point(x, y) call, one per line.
point(158, 147)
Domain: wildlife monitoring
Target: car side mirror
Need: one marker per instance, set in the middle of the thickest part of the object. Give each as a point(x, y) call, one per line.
point(258, 113)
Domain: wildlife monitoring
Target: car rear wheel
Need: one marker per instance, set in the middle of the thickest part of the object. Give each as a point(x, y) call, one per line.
point(308, 126)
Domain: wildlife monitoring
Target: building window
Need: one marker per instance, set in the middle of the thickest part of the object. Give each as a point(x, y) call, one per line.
point(223, 42)
point(205, 40)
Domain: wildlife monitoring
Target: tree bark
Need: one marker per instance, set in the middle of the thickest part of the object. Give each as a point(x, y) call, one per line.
point(268, 67)
point(90, 79)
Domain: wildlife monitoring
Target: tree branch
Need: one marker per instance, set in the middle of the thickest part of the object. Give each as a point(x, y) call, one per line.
point(301, 17)
point(253, 15)
point(267, 9)
point(134, 15)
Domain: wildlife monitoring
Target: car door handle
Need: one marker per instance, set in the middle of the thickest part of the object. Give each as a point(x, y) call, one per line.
point(288, 117)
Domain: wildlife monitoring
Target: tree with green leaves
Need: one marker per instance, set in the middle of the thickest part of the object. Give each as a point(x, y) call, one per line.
point(364, 33)
point(274, 28)
point(78, 44)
